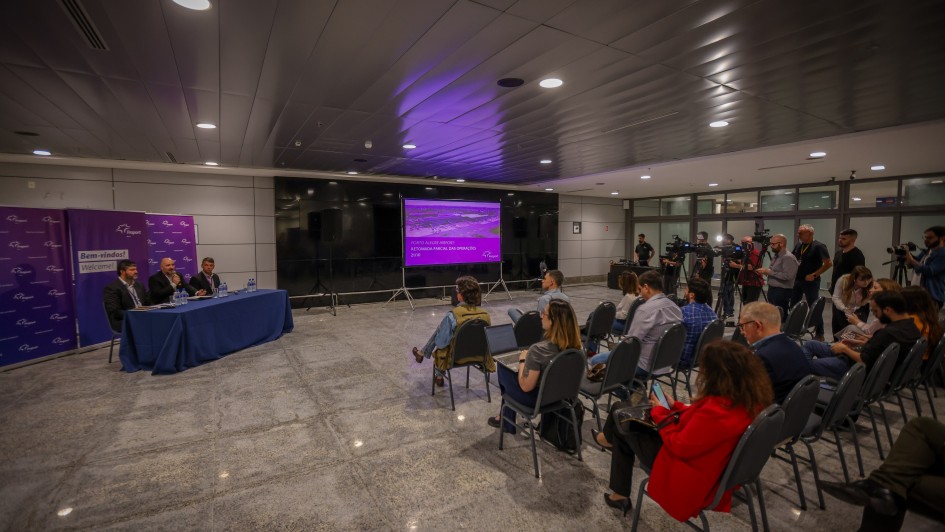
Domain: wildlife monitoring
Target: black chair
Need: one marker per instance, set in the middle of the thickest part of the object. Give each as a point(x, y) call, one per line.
point(793, 325)
point(925, 378)
point(712, 333)
point(600, 322)
point(908, 371)
point(743, 469)
point(528, 329)
point(469, 347)
point(631, 312)
point(798, 407)
point(116, 335)
point(832, 419)
point(621, 366)
point(815, 310)
point(665, 354)
point(557, 390)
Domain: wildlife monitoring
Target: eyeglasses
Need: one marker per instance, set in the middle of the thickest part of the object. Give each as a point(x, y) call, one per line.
point(741, 325)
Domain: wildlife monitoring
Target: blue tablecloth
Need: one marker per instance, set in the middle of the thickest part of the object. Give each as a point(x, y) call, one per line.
point(172, 340)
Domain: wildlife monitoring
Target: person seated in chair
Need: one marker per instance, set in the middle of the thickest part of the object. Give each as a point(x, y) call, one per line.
point(914, 471)
point(165, 282)
point(551, 284)
point(561, 333)
point(687, 455)
point(697, 315)
point(124, 293)
point(206, 280)
point(784, 360)
point(630, 286)
point(924, 312)
point(439, 346)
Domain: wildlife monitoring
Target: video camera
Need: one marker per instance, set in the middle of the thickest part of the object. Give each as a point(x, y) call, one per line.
point(731, 252)
point(762, 238)
point(678, 246)
point(901, 250)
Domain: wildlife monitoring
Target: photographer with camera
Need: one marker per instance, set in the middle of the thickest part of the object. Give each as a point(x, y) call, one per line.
point(749, 279)
point(929, 267)
point(780, 273)
point(702, 266)
point(814, 259)
point(729, 252)
point(672, 265)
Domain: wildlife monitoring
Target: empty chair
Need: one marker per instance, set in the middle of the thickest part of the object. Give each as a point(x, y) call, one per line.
point(815, 310)
point(925, 378)
point(469, 349)
point(528, 329)
point(798, 407)
point(712, 332)
point(665, 354)
point(557, 391)
point(621, 366)
point(743, 469)
point(908, 371)
point(600, 322)
point(793, 325)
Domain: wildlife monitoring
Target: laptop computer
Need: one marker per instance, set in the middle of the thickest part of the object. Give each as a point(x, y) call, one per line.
point(502, 345)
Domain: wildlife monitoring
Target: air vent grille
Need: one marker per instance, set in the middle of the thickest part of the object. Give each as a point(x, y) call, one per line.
point(80, 18)
point(170, 157)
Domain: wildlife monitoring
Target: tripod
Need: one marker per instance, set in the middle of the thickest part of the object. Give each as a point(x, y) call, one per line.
point(899, 272)
point(728, 278)
point(333, 297)
point(403, 290)
point(500, 282)
point(679, 267)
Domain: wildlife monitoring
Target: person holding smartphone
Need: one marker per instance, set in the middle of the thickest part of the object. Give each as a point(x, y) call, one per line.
point(692, 450)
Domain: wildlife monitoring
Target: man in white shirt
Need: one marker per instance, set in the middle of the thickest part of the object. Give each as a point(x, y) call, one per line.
point(164, 283)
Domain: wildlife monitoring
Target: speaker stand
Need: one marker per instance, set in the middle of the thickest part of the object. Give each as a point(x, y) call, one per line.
point(500, 282)
point(403, 290)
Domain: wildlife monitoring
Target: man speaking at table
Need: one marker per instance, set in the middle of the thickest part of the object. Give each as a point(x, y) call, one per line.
point(206, 280)
point(164, 283)
point(123, 294)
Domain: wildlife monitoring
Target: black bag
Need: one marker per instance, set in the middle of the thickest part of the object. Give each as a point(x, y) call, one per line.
point(556, 429)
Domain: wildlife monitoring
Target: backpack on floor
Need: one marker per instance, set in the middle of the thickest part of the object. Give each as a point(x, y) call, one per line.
point(555, 428)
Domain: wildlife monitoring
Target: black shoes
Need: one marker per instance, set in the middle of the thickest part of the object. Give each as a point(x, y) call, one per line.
point(418, 355)
point(866, 493)
point(623, 505)
point(495, 422)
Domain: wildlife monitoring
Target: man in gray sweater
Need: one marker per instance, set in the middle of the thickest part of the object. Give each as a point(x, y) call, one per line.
point(780, 273)
point(653, 317)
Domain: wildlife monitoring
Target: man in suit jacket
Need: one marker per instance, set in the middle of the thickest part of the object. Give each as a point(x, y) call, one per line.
point(206, 280)
point(785, 360)
point(164, 283)
point(123, 293)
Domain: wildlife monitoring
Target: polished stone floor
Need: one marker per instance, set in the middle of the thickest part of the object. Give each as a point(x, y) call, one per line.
point(331, 427)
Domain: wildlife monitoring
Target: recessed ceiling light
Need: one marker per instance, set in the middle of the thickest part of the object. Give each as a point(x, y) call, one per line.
point(551, 83)
point(211, 163)
point(545, 161)
point(428, 188)
point(877, 167)
point(548, 189)
point(352, 173)
point(409, 146)
point(713, 184)
point(855, 198)
point(332, 182)
point(206, 125)
point(510, 194)
point(718, 123)
point(42, 152)
point(614, 193)
point(937, 182)
point(460, 180)
point(388, 194)
point(644, 177)
point(196, 5)
point(818, 154)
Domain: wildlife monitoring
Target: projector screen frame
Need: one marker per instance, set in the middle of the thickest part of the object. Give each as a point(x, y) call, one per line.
point(403, 231)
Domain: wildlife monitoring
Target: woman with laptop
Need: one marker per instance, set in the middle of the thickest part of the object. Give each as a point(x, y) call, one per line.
point(561, 332)
point(688, 445)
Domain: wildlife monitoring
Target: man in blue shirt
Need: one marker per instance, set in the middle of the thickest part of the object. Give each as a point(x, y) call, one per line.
point(551, 284)
point(697, 315)
point(785, 361)
point(929, 266)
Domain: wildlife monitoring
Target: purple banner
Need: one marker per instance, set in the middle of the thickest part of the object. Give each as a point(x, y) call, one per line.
point(450, 232)
point(99, 240)
point(172, 235)
point(36, 311)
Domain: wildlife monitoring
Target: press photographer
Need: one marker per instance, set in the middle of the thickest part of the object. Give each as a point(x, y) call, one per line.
point(749, 281)
point(729, 251)
point(672, 264)
point(929, 267)
point(703, 257)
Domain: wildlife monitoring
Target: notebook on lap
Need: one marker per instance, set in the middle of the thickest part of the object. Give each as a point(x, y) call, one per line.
point(502, 345)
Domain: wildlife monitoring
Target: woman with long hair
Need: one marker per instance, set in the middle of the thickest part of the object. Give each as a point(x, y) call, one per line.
point(851, 296)
point(561, 332)
point(871, 325)
point(630, 286)
point(924, 311)
point(692, 452)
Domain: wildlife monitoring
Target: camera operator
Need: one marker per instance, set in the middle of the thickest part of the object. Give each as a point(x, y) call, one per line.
point(672, 264)
point(703, 266)
point(780, 274)
point(728, 275)
point(748, 277)
point(929, 267)
point(813, 259)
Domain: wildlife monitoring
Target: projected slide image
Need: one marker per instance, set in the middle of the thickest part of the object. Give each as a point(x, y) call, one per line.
point(450, 232)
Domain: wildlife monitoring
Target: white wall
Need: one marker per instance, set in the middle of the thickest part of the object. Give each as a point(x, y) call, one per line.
point(235, 215)
point(602, 238)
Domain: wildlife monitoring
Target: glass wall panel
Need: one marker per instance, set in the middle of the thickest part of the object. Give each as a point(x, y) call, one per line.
point(647, 207)
point(912, 228)
point(875, 235)
point(874, 194)
point(777, 200)
point(710, 204)
point(668, 229)
point(923, 191)
point(742, 202)
point(740, 228)
point(813, 198)
point(825, 230)
point(675, 206)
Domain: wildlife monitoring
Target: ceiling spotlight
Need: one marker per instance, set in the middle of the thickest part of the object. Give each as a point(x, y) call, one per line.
point(352, 173)
point(42, 152)
point(460, 180)
point(428, 188)
point(817, 154)
point(512, 193)
point(614, 193)
point(877, 167)
point(718, 123)
point(545, 161)
point(211, 163)
point(713, 184)
point(644, 177)
point(196, 5)
point(409, 146)
point(206, 125)
point(549, 189)
point(551, 83)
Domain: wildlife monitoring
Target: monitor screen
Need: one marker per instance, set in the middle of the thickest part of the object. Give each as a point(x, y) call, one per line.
point(450, 232)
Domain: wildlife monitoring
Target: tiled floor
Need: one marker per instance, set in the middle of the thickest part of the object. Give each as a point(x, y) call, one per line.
point(331, 427)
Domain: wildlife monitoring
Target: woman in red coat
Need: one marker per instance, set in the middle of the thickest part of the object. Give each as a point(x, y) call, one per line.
point(687, 457)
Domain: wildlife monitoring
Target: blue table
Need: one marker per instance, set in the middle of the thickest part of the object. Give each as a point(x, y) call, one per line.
point(172, 340)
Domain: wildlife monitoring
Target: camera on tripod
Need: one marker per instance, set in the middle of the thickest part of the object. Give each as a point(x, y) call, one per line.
point(678, 246)
point(731, 252)
point(901, 250)
point(762, 238)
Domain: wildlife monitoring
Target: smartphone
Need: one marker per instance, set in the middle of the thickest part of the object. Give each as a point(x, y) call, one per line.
point(658, 392)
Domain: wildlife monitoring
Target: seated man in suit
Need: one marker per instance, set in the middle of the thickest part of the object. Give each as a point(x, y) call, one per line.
point(123, 293)
point(785, 360)
point(206, 280)
point(164, 283)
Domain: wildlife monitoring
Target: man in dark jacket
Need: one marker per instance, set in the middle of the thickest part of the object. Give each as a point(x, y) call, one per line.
point(123, 294)
point(785, 361)
point(206, 280)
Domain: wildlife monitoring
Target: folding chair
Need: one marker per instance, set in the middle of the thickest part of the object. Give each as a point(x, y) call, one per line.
point(798, 407)
point(712, 332)
point(621, 366)
point(528, 329)
point(470, 349)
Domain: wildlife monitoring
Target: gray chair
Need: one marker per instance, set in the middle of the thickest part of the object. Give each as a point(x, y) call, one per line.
point(469, 347)
point(908, 371)
point(600, 323)
point(793, 325)
point(558, 388)
point(832, 418)
point(743, 469)
point(116, 335)
point(816, 309)
point(665, 354)
point(528, 329)
point(925, 378)
point(798, 407)
point(621, 366)
point(712, 333)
